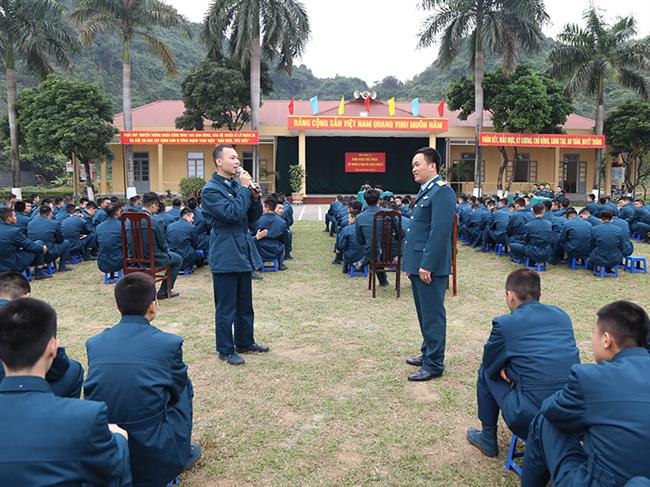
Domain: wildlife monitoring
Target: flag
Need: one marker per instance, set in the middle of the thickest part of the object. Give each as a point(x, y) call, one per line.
point(415, 107)
point(367, 103)
point(391, 106)
point(342, 106)
point(441, 107)
point(314, 104)
point(291, 105)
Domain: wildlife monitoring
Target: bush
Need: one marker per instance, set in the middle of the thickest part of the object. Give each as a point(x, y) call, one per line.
point(191, 186)
point(296, 176)
point(50, 193)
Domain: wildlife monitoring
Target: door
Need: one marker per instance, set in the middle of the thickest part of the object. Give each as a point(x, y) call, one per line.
point(141, 172)
point(570, 173)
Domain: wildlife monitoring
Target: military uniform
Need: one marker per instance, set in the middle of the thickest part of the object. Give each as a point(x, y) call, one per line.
point(348, 245)
point(138, 371)
point(100, 217)
point(49, 232)
point(595, 431)
point(576, 238)
point(172, 215)
point(607, 245)
point(538, 242)
point(73, 230)
point(288, 217)
point(17, 251)
point(109, 240)
point(183, 239)
point(427, 245)
point(516, 230)
point(625, 230)
point(272, 246)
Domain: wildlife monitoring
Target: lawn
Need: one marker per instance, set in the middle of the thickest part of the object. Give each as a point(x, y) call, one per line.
point(330, 405)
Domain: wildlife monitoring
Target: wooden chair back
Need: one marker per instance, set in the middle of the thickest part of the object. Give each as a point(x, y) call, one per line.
point(386, 243)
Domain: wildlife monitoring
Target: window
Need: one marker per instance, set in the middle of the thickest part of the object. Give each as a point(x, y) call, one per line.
point(247, 161)
point(525, 170)
point(463, 170)
point(141, 166)
point(195, 164)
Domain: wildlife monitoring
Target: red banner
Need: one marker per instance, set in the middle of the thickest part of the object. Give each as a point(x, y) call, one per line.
point(365, 162)
point(542, 140)
point(394, 124)
point(134, 137)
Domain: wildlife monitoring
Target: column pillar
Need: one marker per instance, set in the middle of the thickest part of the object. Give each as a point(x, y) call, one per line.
point(432, 140)
point(608, 174)
point(160, 188)
point(556, 168)
point(302, 158)
point(103, 185)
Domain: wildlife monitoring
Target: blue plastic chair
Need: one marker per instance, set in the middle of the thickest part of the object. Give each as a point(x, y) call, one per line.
point(579, 263)
point(271, 265)
point(538, 266)
point(513, 454)
point(176, 481)
point(75, 259)
point(352, 272)
point(488, 247)
point(50, 269)
point(636, 263)
point(111, 278)
point(27, 273)
point(501, 249)
point(601, 270)
point(188, 270)
point(516, 260)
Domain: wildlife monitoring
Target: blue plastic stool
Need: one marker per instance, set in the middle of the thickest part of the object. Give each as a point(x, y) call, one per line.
point(75, 259)
point(50, 269)
point(501, 249)
point(637, 236)
point(488, 247)
point(352, 272)
point(636, 263)
point(111, 278)
point(271, 266)
point(176, 481)
point(188, 270)
point(579, 263)
point(27, 273)
point(539, 267)
point(516, 260)
point(600, 270)
point(514, 454)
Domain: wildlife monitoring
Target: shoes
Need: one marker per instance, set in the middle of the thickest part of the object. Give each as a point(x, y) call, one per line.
point(88, 258)
point(358, 266)
point(40, 274)
point(421, 375)
point(336, 262)
point(288, 257)
point(283, 267)
point(256, 276)
point(487, 444)
point(254, 348)
point(417, 361)
point(195, 455)
point(346, 268)
point(383, 283)
point(64, 268)
point(173, 294)
point(232, 359)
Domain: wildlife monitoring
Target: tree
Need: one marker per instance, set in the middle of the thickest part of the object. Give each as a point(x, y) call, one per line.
point(67, 117)
point(627, 129)
point(274, 29)
point(217, 91)
point(130, 19)
point(496, 26)
point(587, 59)
point(525, 101)
point(37, 31)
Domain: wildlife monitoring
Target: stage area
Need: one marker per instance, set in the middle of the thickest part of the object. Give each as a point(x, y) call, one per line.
point(330, 405)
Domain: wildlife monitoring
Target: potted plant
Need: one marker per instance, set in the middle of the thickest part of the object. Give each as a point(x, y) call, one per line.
point(296, 178)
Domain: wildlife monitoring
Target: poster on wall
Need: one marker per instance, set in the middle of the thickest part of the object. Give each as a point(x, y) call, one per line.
point(365, 162)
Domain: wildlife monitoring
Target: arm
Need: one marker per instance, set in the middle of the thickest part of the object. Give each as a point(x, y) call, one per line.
point(26, 243)
point(361, 240)
point(59, 366)
point(255, 210)
point(566, 408)
point(224, 207)
point(179, 374)
point(442, 223)
point(495, 354)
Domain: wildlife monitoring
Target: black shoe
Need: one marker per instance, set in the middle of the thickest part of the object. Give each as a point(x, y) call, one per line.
point(195, 455)
point(283, 267)
point(383, 283)
point(63, 268)
point(232, 359)
point(40, 274)
point(288, 257)
point(486, 445)
point(172, 294)
point(256, 275)
point(88, 258)
point(346, 268)
point(422, 375)
point(416, 361)
point(336, 261)
point(254, 348)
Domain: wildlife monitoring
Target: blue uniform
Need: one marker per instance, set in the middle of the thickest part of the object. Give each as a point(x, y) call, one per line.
point(606, 406)
point(642, 225)
point(365, 234)
point(73, 229)
point(62, 215)
point(288, 217)
point(138, 371)
point(172, 215)
point(538, 242)
point(498, 226)
point(625, 230)
point(576, 238)
point(347, 243)
point(427, 245)
point(49, 232)
point(22, 221)
point(109, 240)
point(516, 230)
point(627, 213)
point(330, 220)
point(183, 240)
point(607, 245)
point(100, 217)
point(273, 245)
point(228, 208)
point(536, 346)
point(16, 250)
point(594, 208)
point(54, 441)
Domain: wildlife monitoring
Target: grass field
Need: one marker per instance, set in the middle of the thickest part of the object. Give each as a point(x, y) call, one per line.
point(330, 405)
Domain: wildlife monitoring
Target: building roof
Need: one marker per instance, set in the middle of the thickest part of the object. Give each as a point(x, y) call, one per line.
point(163, 113)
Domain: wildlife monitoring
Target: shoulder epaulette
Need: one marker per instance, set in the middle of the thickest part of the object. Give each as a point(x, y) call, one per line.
point(440, 182)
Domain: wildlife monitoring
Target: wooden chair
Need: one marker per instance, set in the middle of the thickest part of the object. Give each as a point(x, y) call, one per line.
point(388, 224)
point(135, 260)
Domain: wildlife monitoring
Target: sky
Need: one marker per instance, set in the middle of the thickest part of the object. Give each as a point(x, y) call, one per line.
point(371, 39)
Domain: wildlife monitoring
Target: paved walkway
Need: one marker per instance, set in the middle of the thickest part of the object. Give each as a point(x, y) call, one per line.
point(309, 213)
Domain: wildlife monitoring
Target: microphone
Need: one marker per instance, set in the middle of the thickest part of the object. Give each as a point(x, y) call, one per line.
point(254, 186)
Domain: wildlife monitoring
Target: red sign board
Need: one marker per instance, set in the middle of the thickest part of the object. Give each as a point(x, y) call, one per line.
point(542, 140)
point(134, 137)
point(393, 124)
point(365, 162)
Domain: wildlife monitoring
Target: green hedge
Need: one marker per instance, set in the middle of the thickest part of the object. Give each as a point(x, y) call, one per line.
point(50, 193)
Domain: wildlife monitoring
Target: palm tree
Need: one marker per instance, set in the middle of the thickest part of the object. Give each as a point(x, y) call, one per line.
point(35, 30)
point(496, 26)
point(130, 19)
point(587, 58)
point(275, 29)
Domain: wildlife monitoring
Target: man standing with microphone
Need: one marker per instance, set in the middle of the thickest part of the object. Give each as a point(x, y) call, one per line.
point(229, 204)
point(427, 260)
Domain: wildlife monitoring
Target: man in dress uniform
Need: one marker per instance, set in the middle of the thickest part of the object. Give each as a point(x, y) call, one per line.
point(229, 205)
point(427, 260)
point(110, 258)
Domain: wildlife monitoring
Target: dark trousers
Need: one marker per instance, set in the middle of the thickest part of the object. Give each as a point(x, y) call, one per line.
point(490, 395)
point(175, 263)
point(518, 250)
point(84, 245)
point(57, 251)
point(25, 258)
point(430, 307)
point(233, 301)
point(288, 246)
point(549, 449)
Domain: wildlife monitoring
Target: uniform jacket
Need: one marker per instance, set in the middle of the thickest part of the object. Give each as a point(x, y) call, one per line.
point(171, 215)
point(45, 229)
point(627, 213)
point(288, 213)
point(74, 227)
point(271, 246)
point(22, 221)
point(183, 239)
point(13, 239)
point(499, 224)
point(607, 245)
point(535, 344)
point(516, 225)
point(100, 217)
point(160, 247)
point(62, 215)
point(347, 242)
point(428, 239)
point(109, 241)
point(594, 208)
point(625, 230)
point(539, 239)
point(576, 236)
point(228, 208)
